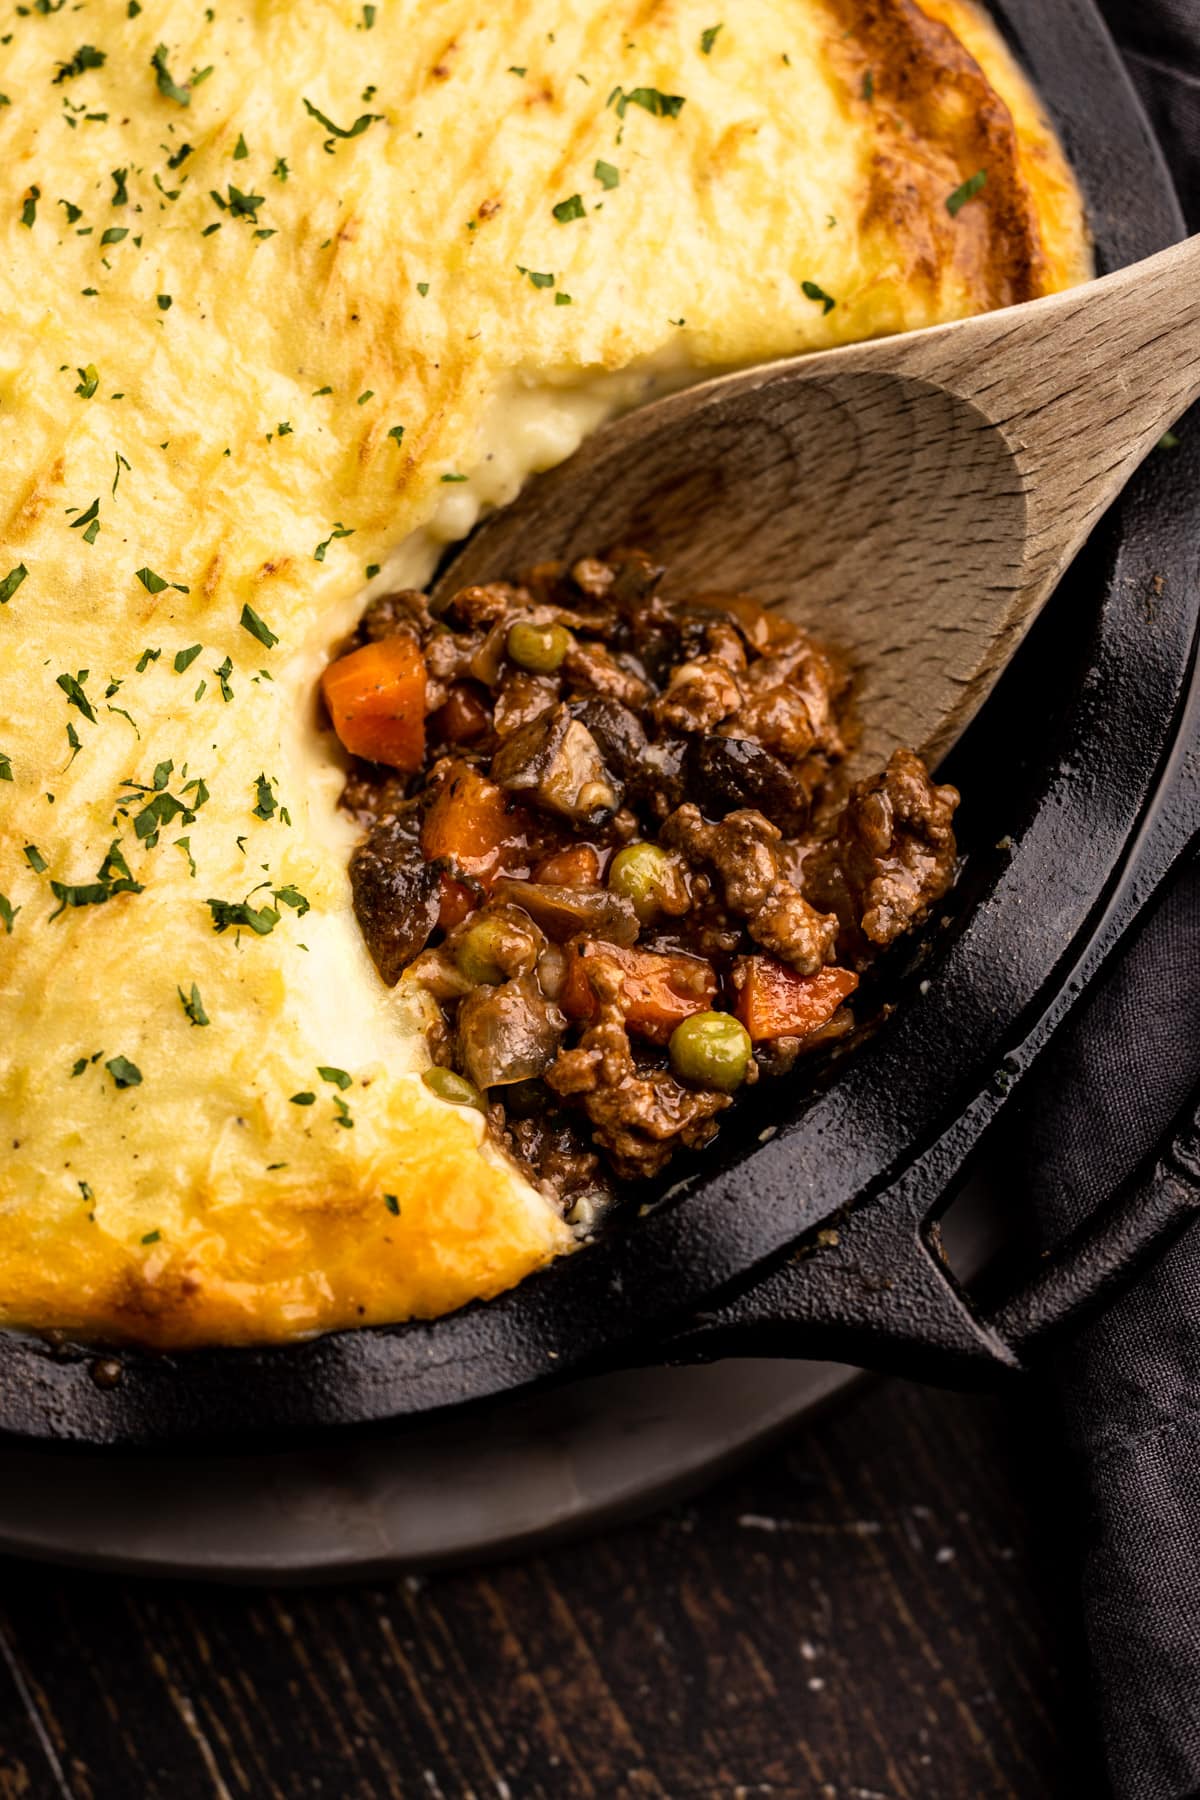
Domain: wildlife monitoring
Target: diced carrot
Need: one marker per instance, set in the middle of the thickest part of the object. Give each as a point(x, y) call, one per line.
point(473, 826)
point(376, 699)
point(577, 866)
point(774, 1002)
point(462, 716)
point(657, 990)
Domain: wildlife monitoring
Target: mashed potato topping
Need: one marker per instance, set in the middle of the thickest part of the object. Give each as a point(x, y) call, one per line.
point(289, 292)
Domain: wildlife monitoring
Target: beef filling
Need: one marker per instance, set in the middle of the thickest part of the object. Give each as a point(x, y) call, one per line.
point(610, 836)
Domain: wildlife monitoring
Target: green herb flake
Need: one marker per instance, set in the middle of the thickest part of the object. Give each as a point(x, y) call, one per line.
point(112, 877)
point(360, 125)
point(339, 531)
point(515, 69)
point(257, 627)
point(303, 1099)
point(164, 302)
point(145, 659)
point(393, 1205)
point(607, 175)
point(422, 288)
point(35, 859)
point(267, 803)
point(11, 583)
point(6, 773)
point(151, 1237)
point(708, 39)
point(261, 920)
point(114, 234)
point(185, 844)
point(86, 57)
point(29, 208)
point(222, 674)
point(652, 100)
point(812, 292)
point(454, 477)
point(120, 191)
point(281, 170)
point(561, 299)
point(167, 85)
point(125, 1074)
point(79, 1066)
point(566, 210)
point(185, 658)
point(154, 584)
point(180, 156)
point(368, 18)
point(74, 213)
point(193, 1006)
point(72, 687)
point(372, 569)
point(8, 913)
point(968, 190)
point(363, 398)
point(338, 1077)
point(343, 1113)
point(538, 278)
point(240, 152)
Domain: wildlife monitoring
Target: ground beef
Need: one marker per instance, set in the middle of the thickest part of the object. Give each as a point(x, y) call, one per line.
point(631, 812)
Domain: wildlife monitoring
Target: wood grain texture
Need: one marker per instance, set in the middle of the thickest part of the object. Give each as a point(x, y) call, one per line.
point(875, 1612)
point(913, 500)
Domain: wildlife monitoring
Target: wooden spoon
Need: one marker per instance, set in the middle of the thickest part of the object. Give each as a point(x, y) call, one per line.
point(913, 500)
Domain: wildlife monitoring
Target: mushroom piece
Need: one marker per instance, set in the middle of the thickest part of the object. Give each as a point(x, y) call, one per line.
point(508, 1033)
point(557, 761)
point(396, 896)
point(563, 912)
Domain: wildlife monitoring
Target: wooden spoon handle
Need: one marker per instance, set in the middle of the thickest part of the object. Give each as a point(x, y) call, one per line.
point(1082, 385)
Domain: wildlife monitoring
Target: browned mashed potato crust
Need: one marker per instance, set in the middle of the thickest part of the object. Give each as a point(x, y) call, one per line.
point(341, 287)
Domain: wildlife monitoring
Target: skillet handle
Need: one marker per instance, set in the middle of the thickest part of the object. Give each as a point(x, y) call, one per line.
point(876, 1292)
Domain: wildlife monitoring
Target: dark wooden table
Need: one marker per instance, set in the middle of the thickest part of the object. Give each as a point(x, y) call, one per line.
point(881, 1608)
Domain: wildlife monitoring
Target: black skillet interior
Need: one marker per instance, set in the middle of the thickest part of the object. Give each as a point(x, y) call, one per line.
point(1062, 771)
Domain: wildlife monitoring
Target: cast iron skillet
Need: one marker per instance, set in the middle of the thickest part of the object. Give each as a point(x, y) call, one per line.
point(806, 1229)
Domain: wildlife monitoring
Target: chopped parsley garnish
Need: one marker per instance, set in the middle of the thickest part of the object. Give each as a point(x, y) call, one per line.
point(184, 658)
point(74, 213)
point(561, 299)
point(653, 100)
point(86, 57)
point(79, 1066)
point(180, 156)
point(338, 1077)
point(154, 584)
point(708, 39)
point(371, 570)
point(359, 126)
point(222, 674)
point(422, 288)
point(8, 913)
point(114, 234)
point(539, 279)
point(90, 520)
point(29, 209)
point(6, 773)
point(240, 152)
point(11, 583)
point(397, 432)
point(291, 896)
point(89, 381)
point(72, 687)
point(261, 920)
point(968, 190)
point(164, 302)
point(281, 170)
point(368, 18)
point(185, 844)
point(343, 1113)
point(304, 1099)
point(812, 292)
point(145, 659)
point(35, 859)
point(112, 877)
point(363, 398)
point(607, 175)
point(125, 1074)
point(392, 1204)
point(120, 191)
point(239, 205)
point(257, 627)
point(339, 531)
point(267, 804)
point(566, 210)
point(514, 69)
point(193, 1006)
point(454, 477)
point(167, 85)
point(151, 1237)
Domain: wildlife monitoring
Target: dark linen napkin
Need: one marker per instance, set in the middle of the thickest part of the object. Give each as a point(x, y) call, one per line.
point(1129, 1383)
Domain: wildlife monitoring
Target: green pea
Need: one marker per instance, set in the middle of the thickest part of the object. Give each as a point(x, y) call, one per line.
point(538, 648)
point(712, 1050)
point(455, 1088)
point(649, 878)
point(478, 952)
